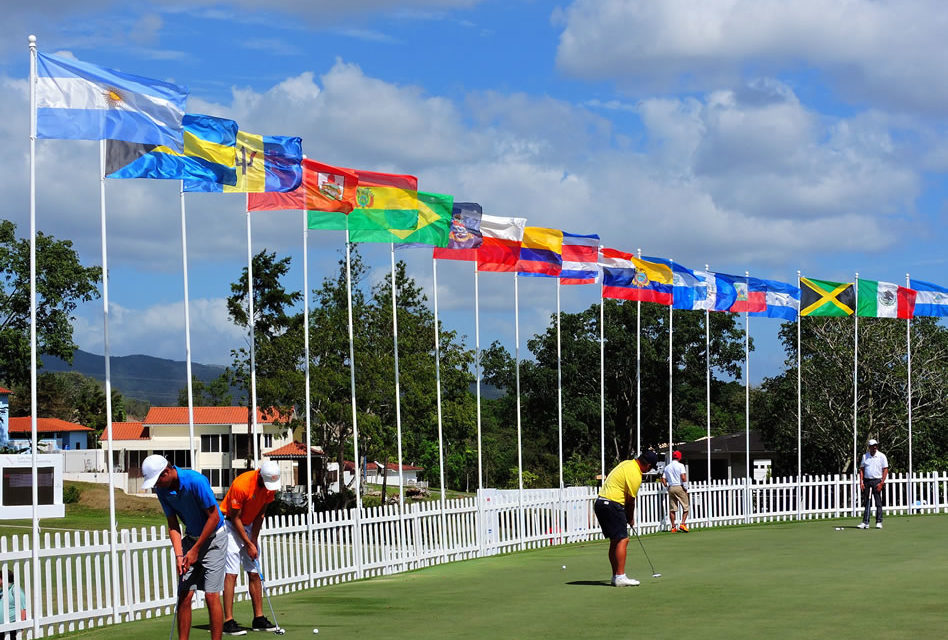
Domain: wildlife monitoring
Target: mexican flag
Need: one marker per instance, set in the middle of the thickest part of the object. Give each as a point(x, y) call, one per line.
point(885, 300)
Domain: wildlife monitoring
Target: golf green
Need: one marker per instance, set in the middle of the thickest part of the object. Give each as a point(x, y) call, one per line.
point(780, 580)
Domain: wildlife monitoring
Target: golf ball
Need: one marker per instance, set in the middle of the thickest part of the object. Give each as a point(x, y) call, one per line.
point(839, 528)
point(315, 630)
point(564, 566)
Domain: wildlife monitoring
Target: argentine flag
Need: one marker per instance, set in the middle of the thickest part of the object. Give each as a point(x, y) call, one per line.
point(76, 100)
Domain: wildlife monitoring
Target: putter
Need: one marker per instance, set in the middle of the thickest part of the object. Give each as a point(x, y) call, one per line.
point(174, 612)
point(279, 630)
point(655, 574)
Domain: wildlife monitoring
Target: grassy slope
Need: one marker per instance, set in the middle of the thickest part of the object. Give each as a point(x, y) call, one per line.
point(786, 580)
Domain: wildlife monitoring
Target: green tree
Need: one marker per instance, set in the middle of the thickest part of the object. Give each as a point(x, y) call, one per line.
point(215, 393)
point(827, 394)
point(278, 339)
point(61, 284)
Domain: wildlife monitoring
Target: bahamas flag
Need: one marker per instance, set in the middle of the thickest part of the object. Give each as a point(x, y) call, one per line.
point(264, 163)
point(76, 100)
point(541, 252)
point(209, 154)
point(431, 229)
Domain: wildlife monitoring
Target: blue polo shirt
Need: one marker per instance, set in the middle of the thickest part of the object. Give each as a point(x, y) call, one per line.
point(190, 501)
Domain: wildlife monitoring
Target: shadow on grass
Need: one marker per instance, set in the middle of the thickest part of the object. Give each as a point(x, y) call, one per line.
point(590, 583)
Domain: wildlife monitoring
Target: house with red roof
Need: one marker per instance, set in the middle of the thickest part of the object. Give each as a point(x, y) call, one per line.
point(222, 443)
point(56, 434)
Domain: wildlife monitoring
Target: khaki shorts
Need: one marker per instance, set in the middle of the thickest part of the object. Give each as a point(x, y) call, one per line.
point(677, 494)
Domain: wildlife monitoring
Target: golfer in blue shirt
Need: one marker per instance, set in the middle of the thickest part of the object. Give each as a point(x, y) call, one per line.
point(185, 496)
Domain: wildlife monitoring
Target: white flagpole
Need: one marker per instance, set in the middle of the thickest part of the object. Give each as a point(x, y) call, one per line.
point(253, 363)
point(908, 349)
point(602, 382)
point(638, 372)
point(799, 413)
point(747, 476)
point(707, 377)
point(855, 397)
point(187, 333)
point(671, 309)
point(444, 523)
point(34, 551)
point(477, 371)
point(559, 409)
point(398, 399)
point(113, 528)
point(357, 524)
point(520, 513)
point(306, 393)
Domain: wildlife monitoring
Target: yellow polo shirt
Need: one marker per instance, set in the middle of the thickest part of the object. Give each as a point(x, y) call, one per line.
point(622, 482)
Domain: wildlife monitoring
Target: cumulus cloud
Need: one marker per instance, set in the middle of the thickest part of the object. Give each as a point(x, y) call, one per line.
point(888, 52)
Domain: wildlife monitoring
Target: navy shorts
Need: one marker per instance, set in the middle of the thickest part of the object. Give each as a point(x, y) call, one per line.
point(612, 520)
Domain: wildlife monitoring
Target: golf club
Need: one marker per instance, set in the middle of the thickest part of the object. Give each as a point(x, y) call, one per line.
point(279, 630)
point(174, 612)
point(655, 574)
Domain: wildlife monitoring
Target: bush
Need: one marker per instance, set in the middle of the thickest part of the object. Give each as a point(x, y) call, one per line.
point(71, 494)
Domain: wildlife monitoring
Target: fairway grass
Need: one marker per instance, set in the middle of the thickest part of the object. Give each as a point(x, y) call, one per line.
point(778, 580)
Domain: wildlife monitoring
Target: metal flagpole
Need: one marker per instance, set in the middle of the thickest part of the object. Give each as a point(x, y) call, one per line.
point(707, 377)
point(250, 324)
point(187, 334)
point(34, 545)
point(799, 414)
point(908, 349)
point(398, 418)
point(113, 528)
point(559, 407)
point(477, 371)
point(520, 513)
point(357, 524)
point(671, 309)
point(306, 392)
point(602, 383)
point(747, 476)
point(444, 522)
point(638, 372)
point(855, 396)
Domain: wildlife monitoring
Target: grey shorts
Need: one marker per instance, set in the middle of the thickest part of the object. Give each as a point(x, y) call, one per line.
point(207, 574)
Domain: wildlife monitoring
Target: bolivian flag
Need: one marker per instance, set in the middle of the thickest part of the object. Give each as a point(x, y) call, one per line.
point(382, 201)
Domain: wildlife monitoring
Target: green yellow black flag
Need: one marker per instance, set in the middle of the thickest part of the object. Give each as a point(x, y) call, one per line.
point(825, 298)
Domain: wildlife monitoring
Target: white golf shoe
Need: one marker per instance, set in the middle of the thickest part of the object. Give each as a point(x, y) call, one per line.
point(878, 525)
point(624, 581)
point(863, 525)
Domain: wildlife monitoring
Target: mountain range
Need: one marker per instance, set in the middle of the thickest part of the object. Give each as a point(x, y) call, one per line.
point(153, 380)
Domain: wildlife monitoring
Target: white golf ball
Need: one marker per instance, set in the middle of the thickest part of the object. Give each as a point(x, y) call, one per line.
point(564, 566)
point(315, 630)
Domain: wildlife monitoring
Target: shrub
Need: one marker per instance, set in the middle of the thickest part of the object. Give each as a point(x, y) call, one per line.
point(71, 494)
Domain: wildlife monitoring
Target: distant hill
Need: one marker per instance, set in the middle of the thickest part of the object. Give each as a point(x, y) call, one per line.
point(154, 380)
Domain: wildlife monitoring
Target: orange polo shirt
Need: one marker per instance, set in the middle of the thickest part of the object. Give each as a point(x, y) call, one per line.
point(246, 494)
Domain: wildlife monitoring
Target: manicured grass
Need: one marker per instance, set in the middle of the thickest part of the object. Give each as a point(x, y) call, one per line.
point(780, 580)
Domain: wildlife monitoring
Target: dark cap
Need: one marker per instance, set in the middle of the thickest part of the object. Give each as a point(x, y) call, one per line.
point(650, 457)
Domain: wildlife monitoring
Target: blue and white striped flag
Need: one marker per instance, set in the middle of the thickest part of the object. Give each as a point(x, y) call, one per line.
point(76, 100)
point(931, 299)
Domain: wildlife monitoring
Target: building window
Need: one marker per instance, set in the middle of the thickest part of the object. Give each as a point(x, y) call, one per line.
point(213, 476)
point(210, 443)
point(268, 439)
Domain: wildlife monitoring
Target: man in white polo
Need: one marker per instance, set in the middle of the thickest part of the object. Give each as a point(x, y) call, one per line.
point(873, 470)
point(674, 477)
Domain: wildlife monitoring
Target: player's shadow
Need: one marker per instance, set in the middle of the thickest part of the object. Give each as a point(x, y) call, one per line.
point(590, 583)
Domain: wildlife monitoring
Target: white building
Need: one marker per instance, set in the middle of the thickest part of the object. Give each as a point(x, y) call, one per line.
point(221, 439)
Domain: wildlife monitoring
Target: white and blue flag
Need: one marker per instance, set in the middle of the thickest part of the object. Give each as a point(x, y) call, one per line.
point(76, 100)
point(931, 299)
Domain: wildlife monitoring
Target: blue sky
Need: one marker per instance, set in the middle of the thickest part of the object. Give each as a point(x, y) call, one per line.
point(757, 135)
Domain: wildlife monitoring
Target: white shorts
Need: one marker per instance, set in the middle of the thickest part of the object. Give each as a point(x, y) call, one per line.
point(236, 554)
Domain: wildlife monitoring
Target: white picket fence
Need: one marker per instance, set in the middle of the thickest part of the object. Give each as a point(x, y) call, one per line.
point(80, 585)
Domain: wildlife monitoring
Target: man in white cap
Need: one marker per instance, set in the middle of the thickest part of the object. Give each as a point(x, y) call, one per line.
point(245, 506)
point(873, 470)
point(185, 495)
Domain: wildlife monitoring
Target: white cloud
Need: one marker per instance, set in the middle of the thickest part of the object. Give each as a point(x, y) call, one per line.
point(881, 51)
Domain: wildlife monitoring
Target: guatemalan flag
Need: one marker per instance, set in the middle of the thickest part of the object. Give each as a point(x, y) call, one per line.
point(580, 259)
point(713, 293)
point(76, 100)
point(931, 299)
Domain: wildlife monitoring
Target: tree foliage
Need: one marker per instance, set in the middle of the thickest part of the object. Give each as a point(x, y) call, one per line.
point(62, 282)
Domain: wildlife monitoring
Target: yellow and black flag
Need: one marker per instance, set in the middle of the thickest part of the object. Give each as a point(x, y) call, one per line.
point(825, 298)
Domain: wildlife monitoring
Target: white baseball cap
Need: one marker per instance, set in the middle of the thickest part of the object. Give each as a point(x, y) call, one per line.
point(270, 474)
point(873, 442)
point(152, 466)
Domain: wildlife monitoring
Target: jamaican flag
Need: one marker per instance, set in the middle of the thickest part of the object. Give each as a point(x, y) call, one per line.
point(825, 298)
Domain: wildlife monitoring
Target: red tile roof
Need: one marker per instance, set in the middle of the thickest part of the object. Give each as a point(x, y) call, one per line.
point(391, 466)
point(207, 415)
point(44, 425)
point(293, 450)
point(125, 431)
